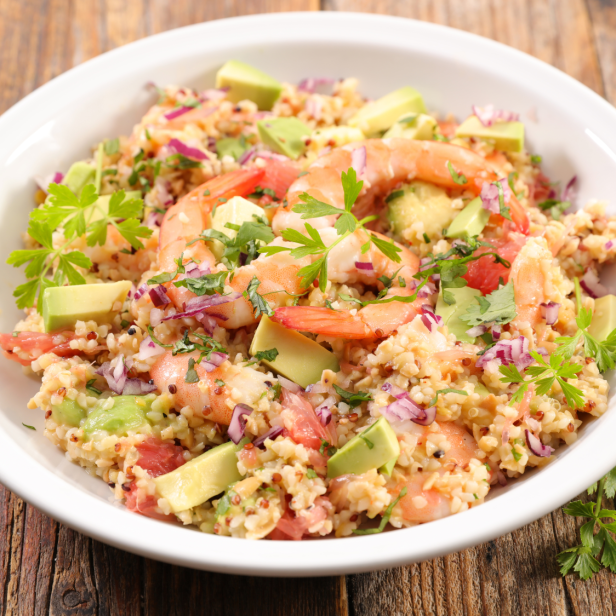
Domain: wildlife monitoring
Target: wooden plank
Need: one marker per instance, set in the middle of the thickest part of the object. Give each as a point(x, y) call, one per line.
point(603, 19)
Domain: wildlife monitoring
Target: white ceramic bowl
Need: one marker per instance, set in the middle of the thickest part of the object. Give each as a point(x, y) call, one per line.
point(570, 126)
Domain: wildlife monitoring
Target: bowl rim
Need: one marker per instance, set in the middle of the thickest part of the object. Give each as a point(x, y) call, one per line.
point(115, 526)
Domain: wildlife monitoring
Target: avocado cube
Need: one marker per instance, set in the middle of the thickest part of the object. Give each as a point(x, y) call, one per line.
point(201, 478)
point(604, 318)
point(101, 205)
point(68, 413)
point(413, 126)
point(235, 211)
point(339, 135)
point(284, 135)
point(419, 202)
point(299, 359)
point(127, 413)
point(382, 113)
point(470, 221)
point(464, 296)
point(373, 448)
point(64, 306)
point(79, 175)
point(481, 389)
point(507, 136)
point(230, 146)
point(248, 83)
point(388, 467)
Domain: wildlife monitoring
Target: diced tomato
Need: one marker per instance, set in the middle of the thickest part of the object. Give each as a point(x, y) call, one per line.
point(158, 457)
point(448, 129)
point(290, 527)
point(484, 274)
point(36, 344)
point(306, 428)
point(146, 506)
point(540, 189)
point(279, 175)
point(249, 457)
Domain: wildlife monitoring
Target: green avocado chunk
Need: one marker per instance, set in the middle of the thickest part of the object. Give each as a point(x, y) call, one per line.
point(481, 389)
point(388, 467)
point(248, 83)
point(127, 413)
point(413, 126)
point(235, 211)
point(382, 113)
point(284, 135)
point(299, 359)
point(200, 479)
point(373, 448)
point(604, 318)
point(230, 146)
point(470, 221)
point(464, 296)
point(507, 136)
point(419, 202)
point(68, 413)
point(79, 175)
point(101, 206)
point(64, 306)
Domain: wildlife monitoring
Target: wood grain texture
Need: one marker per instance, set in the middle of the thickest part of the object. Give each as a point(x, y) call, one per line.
point(46, 568)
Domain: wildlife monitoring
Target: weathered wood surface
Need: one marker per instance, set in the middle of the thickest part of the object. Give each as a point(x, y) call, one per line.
point(46, 568)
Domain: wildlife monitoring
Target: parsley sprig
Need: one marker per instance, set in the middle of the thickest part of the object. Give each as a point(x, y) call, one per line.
point(351, 398)
point(595, 549)
point(498, 307)
point(346, 224)
point(51, 266)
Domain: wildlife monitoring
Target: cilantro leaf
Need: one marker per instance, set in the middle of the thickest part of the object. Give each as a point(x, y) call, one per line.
point(351, 188)
point(389, 249)
point(353, 399)
point(578, 508)
point(268, 355)
point(309, 207)
point(448, 390)
point(259, 304)
point(208, 284)
point(385, 518)
point(458, 178)
point(498, 307)
point(610, 483)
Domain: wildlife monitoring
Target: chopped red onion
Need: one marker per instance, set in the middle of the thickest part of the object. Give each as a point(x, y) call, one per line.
point(430, 320)
point(44, 182)
point(427, 290)
point(478, 330)
point(364, 265)
point(237, 426)
point(569, 193)
point(608, 245)
point(488, 115)
point(248, 155)
point(181, 148)
point(536, 446)
point(156, 316)
point(323, 410)
point(358, 160)
point(213, 94)
point(140, 292)
point(294, 388)
point(427, 308)
point(148, 349)
point(115, 376)
point(197, 305)
point(137, 387)
point(154, 219)
point(209, 322)
point(549, 311)
point(508, 352)
point(501, 477)
point(489, 195)
point(311, 83)
point(590, 283)
point(496, 331)
point(272, 433)
point(314, 107)
point(273, 156)
point(533, 424)
point(404, 408)
point(158, 295)
point(177, 112)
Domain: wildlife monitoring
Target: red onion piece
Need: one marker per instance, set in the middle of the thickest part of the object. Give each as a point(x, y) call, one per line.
point(508, 352)
point(140, 292)
point(137, 387)
point(496, 331)
point(237, 426)
point(536, 446)
point(431, 321)
point(394, 390)
point(488, 115)
point(609, 245)
point(362, 265)
point(248, 155)
point(569, 193)
point(501, 477)
point(148, 348)
point(311, 83)
point(549, 311)
point(44, 182)
point(314, 107)
point(181, 148)
point(213, 94)
point(358, 160)
point(272, 433)
point(198, 304)
point(156, 316)
point(294, 388)
point(177, 112)
point(590, 283)
point(323, 411)
point(404, 408)
point(273, 156)
point(158, 295)
point(478, 330)
point(489, 195)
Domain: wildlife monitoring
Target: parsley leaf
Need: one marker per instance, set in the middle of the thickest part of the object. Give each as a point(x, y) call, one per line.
point(90, 387)
point(352, 399)
point(458, 178)
point(208, 284)
point(259, 304)
point(385, 518)
point(449, 390)
point(268, 355)
point(498, 307)
point(191, 373)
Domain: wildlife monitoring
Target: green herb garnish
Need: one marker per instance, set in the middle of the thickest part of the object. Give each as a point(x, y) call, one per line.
point(384, 519)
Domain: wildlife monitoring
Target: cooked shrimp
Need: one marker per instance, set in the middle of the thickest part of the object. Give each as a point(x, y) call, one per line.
point(207, 398)
point(372, 321)
point(388, 163)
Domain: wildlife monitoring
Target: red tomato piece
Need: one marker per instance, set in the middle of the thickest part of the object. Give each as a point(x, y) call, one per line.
point(158, 457)
point(306, 427)
point(279, 175)
point(36, 344)
point(146, 506)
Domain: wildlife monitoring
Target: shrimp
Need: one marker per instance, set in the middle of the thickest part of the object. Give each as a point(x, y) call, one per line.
point(182, 225)
point(370, 322)
point(425, 503)
point(388, 163)
point(208, 398)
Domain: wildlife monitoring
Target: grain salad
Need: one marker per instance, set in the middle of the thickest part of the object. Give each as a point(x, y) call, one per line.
point(287, 311)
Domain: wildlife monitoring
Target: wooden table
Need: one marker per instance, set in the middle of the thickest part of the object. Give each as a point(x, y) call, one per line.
point(45, 568)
